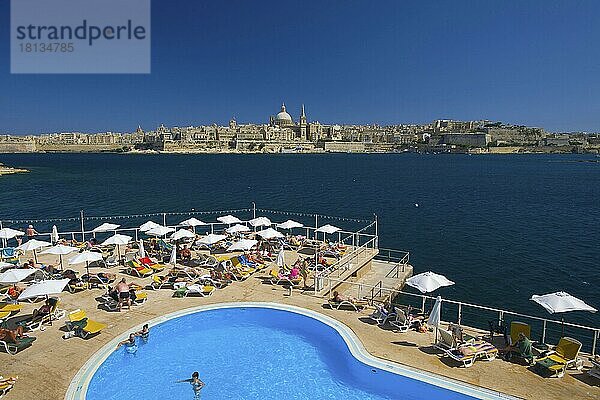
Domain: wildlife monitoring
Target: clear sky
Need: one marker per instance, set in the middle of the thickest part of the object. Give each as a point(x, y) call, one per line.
point(524, 61)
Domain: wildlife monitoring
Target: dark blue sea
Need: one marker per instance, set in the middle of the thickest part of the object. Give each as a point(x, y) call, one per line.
point(502, 227)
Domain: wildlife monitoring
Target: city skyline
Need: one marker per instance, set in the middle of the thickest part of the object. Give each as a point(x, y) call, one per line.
point(527, 63)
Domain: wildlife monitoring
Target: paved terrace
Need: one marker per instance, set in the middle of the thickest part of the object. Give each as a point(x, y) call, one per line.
point(47, 368)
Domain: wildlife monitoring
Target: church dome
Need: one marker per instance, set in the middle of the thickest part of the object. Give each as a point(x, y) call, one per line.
point(283, 118)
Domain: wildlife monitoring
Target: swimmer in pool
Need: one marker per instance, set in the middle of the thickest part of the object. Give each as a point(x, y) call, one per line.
point(129, 342)
point(196, 383)
point(144, 333)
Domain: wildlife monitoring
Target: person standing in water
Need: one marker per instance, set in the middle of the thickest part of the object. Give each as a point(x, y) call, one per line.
point(196, 383)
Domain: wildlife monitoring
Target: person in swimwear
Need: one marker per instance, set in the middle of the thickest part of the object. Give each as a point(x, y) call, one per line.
point(196, 383)
point(144, 333)
point(129, 342)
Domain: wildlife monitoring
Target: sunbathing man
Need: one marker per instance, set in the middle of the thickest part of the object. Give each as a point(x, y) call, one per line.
point(13, 336)
point(338, 298)
point(196, 383)
point(43, 310)
point(185, 254)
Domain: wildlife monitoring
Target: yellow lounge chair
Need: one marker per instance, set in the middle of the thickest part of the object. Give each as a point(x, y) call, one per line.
point(76, 322)
point(7, 384)
point(138, 270)
point(516, 328)
point(235, 261)
point(10, 307)
point(564, 355)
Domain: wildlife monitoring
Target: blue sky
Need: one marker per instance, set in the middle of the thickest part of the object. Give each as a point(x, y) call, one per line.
point(527, 62)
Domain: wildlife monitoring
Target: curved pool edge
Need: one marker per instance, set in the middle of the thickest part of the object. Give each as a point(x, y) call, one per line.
point(78, 387)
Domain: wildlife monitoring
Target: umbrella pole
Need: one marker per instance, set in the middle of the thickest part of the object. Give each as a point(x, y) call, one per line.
point(34, 256)
point(87, 268)
point(562, 322)
point(61, 263)
point(423, 305)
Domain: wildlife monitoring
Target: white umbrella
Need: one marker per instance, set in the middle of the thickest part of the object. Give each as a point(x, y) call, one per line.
point(237, 228)
point(33, 245)
point(142, 251)
point(280, 258)
point(229, 219)
point(328, 229)
point(105, 227)
point(12, 276)
point(428, 281)
point(436, 315)
point(269, 233)
point(182, 233)
point(86, 257)
point(54, 238)
point(244, 245)
point(9, 233)
point(211, 239)
point(4, 265)
point(117, 239)
point(60, 250)
point(560, 302)
point(260, 221)
point(173, 259)
point(290, 224)
point(160, 230)
point(146, 226)
point(44, 288)
point(192, 222)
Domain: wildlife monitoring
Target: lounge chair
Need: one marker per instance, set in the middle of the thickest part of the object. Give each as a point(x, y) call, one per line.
point(159, 282)
point(202, 290)
point(277, 278)
point(40, 321)
point(402, 322)
point(381, 315)
point(21, 343)
point(239, 265)
point(476, 349)
point(138, 270)
point(10, 307)
point(82, 325)
point(466, 353)
point(356, 305)
point(149, 263)
point(565, 355)
point(6, 384)
point(516, 328)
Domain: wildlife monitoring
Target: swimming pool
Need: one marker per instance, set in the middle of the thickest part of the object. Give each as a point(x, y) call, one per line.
point(255, 351)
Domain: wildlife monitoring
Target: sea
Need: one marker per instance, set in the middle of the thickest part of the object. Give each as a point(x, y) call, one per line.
point(502, 227)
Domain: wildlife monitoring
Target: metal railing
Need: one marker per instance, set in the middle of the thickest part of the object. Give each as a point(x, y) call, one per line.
point(344, 263)
point(455, 311)
point(400, 259)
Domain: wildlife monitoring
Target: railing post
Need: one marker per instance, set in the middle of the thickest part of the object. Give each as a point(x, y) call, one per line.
point(544, 332)
point(423, 305)
point(459, 312)
point(164, 219)
point(594, 343)
point(82, 228)
point(501, 318)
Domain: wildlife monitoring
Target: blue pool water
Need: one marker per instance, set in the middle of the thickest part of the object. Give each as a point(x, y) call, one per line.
point(249, 353)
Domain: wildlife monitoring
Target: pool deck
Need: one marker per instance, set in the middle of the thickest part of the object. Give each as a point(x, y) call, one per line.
point(46, 369)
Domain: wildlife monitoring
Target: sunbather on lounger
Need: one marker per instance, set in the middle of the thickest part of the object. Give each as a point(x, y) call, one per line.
point(338, 298)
